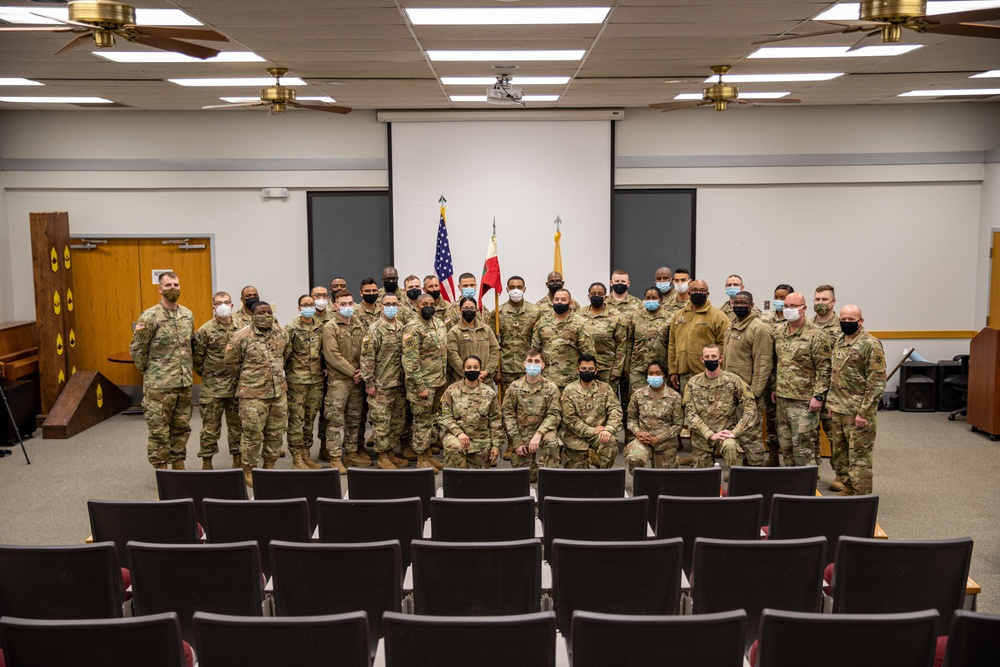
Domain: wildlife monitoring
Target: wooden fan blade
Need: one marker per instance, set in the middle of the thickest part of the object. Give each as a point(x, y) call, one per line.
point(65, 21)
point(974, 16)
point(818, 33)
point(858, 44)
point(187, 48)
point(324, 107)
point(236, 105)
point(39, 29)
point(179, 33)
point(74, 43)
point(674, 106)
point(967, 30)
point(780, 100)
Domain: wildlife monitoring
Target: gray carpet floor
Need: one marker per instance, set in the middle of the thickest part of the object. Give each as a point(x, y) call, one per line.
point(935, 479)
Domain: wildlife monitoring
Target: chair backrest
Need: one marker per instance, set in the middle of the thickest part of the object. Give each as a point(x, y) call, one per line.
point(974, 640)
point(893, 576)
point(272, 484)
point(64, 582)
point(482, 520)
point(318, 579)
point(486, 483)
point(162, 522)
point(593, 519)
point(226, 484)
point(873, 640)
point(791, 481)
point(351, 521)
point(257, 520)
point(459, 641)
point(150, 641)
point(831, 517)
point(378, 484)
point(639, 578)
point(719, 518)
point(309, 641)
point(477, 578)
point(708, 640)
point(587, 483)
point(754, 575)
point(218, 578)
point(690, 482)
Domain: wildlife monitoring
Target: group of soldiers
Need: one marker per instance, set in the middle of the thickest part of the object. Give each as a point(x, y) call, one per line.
point(546, 384)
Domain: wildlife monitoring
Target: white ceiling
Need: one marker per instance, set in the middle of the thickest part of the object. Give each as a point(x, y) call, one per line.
point(365, 54)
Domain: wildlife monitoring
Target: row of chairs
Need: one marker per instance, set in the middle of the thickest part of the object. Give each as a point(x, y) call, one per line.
point(598, 640)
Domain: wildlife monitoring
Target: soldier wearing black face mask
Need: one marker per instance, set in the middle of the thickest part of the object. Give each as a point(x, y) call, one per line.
point(390, 282)
point(554, 283)
point(244, 316)
point(472, 337)
point(750, 355)
point(695, 325)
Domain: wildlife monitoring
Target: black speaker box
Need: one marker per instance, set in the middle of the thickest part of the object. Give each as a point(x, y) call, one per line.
point(917, 386)
point(21, 397)
point(948, 398)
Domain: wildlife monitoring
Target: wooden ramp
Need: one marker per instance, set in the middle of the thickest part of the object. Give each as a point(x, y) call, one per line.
point(88, 399)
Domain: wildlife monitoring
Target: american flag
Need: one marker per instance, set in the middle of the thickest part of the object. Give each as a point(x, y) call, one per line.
point(442, 261)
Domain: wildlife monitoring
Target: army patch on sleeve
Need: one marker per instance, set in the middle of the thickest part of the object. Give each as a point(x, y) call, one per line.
point(139, 326)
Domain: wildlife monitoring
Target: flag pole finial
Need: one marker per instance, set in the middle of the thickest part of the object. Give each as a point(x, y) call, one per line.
point(442, 200)
point(558, 223)
point(494, 225)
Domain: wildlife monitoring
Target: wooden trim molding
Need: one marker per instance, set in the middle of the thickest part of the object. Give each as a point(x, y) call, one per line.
point(924, 334)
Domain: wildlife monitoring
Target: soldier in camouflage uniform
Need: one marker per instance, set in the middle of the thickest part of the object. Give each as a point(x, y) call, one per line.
point(304, 375)
point(218, 382)
point(382, 372)
point(856, 387)
point(673, 285)
point(532, 411)
point(774, 318)
point(470, 417)
point(695, 325)
point(472, 337)
point(627, 306)
point(649, 331)
point(592, 417)
point(517, 321)
point(425, 367)
point(345, 394)
point(750, 354)
point(734, 285)
point(655, 416)
point(609, 331)
point(408, 306)
point(244, 316)
point(432, 286)
point(368, 311)
point(563, 338)
point(259, 352)
point(824, 304)
point(554, 283)
point(161, 350)
point(721, 410)
point(801, 378)
point(453, 315)
point(324, 311)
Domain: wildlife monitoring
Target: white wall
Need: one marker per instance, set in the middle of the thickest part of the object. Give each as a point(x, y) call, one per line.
point(989, 222)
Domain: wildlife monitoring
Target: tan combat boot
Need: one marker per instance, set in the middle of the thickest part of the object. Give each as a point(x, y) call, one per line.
point(507, 453)
point(837, 485)
point(248, 476)
point(206, 463)
point(397, 461)
point(336, 462)
point(312, 465)
point(356, 459)
point(297, 462)
point(237, 461)
point(424, 460)
point(384, 462)
point(407, 453)
point(268, 464)
point(178, 464)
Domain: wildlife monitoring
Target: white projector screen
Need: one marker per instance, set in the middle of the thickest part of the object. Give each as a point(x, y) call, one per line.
point(524, 173)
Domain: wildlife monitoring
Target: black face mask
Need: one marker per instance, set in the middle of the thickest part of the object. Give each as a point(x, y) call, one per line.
point(560, 308)
point(588, 376)
point(370, 298)
point(741, 311)
point(554, 287)
point(471, 376)
point(468, 315)
point(427, 312)
point(849, 328)
point(250, 301)
point(619, 288)
point(711, 365)
point(435, 293)
point(597, 301)
point(699, 299)
point(413, 293)
point(390, 285)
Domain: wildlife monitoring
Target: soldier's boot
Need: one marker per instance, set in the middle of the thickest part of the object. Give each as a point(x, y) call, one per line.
point(507, 452)
point(593, 458)
point(630, 466)
point(206, 463)
point(297, 460)
point(356, 459)
point(324, 453)
point(312, 465)
point(837, 485)
point(407, 452)
point(335, 462)
point(397, 461)
point(237, 461)
point(248, 475)
point(436, 448)
point(178, 464)
point(269, 464)
point(384, 462)
point(684, 460)
point(424, 460)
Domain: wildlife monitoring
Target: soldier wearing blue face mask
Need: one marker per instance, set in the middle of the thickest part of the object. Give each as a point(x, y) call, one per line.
point(304, 374)
point(774, 318)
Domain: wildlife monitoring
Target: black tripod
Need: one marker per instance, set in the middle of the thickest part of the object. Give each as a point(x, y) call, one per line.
point(13, 425)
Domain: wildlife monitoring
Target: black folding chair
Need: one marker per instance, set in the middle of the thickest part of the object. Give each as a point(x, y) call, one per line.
point(482, 520)
point(226, 484)
point(161, 522)
point(794, 517)
point(349, 521)
point(388, 484)
point(718, 518)
point(486, 483)
point(593, 519)
point(974, 640)
point(791, 481)
point(693, 482)
point(257, 520)
point(272, 484)
point(587, 483)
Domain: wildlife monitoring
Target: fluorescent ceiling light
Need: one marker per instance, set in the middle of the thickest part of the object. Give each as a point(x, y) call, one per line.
point(992, 74)
point(515, 80)
point(35, 16)
point(775, 78)
point(832, 51)
point(743, 96)
point(17, 81)
point(171, 57)
point(504, 56)
point(237, 100)
point(508, 15)
point(482, 98)
point(56, 100)
point(849, 11)
point(944, 93)
point(234, 82)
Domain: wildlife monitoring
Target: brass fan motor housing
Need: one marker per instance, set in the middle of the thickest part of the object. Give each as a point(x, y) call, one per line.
point(720, 91)
point(108, 15)
point(277, 95)
point(892, 11)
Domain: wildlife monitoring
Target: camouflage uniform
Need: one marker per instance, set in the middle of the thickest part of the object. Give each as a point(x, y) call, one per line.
point(476, 413)
point(324, 316)
point(583, 410)
point(832, 330)
point(382, 368)
point(441, 311)
point(609, 331)
point(453, 316)
point(242, 318)
point(161, 350)
point(856, 387)
point(218, 387)
point(671, 303)
point(661, 414)
point(750, 354)
point(562, 343)
point(650, 334)
point(627, 308)
point(516, 325)
point(773, 319)
point(529, 409)
point(713, 405)
point(691, 329)
point(464, 339)
point(345, 398)
point(801, 371)
point(304, 374)
point(368, 318)
point(259, 357)
point(425, 366)
point(727, 308)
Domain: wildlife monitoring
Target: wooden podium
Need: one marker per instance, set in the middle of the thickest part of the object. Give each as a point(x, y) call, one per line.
point(984, 383)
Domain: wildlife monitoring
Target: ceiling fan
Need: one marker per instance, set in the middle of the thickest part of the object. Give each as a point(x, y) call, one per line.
point(103, 20)
point(719, 94)
point(279, 97)
point(888, 18)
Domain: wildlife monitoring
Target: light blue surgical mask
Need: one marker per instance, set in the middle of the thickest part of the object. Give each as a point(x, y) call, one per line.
point(308, 312)
point(778, 304)
point(534, 370)
point(347, 311)
point(655, 381)
point(469, 292)
point(391, 311)
point(652, 306)
point(664, 287)
point(732, 291)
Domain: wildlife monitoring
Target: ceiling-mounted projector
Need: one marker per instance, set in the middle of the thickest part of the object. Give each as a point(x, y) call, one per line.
point(503, 93)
